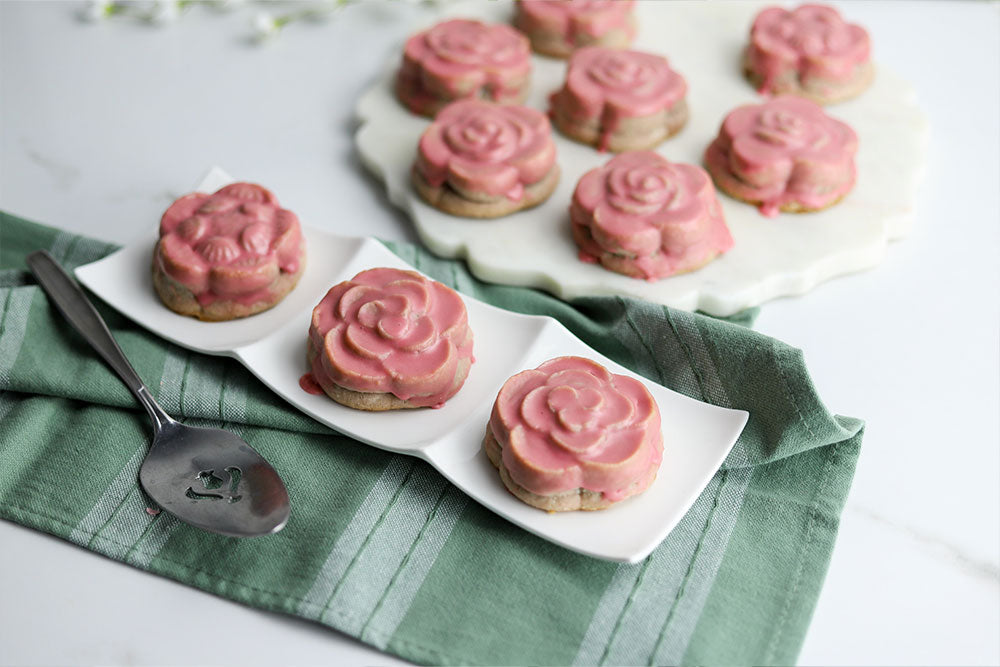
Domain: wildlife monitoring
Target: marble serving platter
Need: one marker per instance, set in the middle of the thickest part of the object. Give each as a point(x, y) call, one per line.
point(272, 345)
point(772, 258)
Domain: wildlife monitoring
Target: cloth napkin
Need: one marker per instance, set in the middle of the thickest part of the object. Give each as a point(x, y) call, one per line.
point(383, 548)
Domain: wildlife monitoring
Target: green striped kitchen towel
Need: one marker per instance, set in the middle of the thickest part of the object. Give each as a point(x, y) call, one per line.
point(381, 547)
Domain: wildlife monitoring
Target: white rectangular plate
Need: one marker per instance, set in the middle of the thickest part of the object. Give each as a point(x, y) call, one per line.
point(697, 436)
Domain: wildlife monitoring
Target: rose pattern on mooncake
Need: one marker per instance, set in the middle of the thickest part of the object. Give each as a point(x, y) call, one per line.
point(572, 425)
point(391, 331)
point(558, 28)
point(785, 154)
point(809, 51)
point(484, 151)
point(232, 245)
point(463, 58)
point(623, 100)
point(647, 217)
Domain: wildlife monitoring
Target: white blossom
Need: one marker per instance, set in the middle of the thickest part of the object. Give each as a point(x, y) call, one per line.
point(265, 25)
point(95, 10)
point(165, 11)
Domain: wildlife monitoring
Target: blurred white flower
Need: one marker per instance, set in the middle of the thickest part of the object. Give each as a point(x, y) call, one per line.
point(165, 11)
point(95, 10)
point(265, 26)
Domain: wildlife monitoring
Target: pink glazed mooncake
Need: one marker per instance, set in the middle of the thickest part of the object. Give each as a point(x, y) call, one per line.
point(619, 100)
point(227, 255)
point(558, 27)
point(647, 217)
point(809, 51)
point(570, 435)
point(463, 59)
point(783, 155)
point(389, 339)
point(484, 160)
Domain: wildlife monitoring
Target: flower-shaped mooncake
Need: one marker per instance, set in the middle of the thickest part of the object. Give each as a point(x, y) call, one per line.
point(390, 339)
point(484, 160)
point(809, 51)
point(558, 28)
point(227, 255)
point(646, 217)
point(461, 59)
point(570, 435)
point(785, 154)
point(619, 100)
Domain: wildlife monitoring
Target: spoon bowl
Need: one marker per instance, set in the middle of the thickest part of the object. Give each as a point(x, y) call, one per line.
point(212, 479)
point(205, 477)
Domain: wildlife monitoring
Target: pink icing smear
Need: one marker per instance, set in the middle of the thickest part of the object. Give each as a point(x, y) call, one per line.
point(476, 146)
point(786, 150)
point(811, 41)
point(576, 19)
point(610, 84)
point(655, 216)
point(391, 331)
point(463, 58)
point(308, 384)
point(571, 424)
point(232, 244)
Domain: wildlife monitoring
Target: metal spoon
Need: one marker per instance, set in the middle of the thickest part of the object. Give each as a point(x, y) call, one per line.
point(208, 478)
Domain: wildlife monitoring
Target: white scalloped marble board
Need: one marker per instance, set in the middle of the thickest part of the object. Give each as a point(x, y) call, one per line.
point(773, 257)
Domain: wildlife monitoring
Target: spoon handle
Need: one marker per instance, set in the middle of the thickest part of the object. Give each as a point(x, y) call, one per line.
point(80, 312)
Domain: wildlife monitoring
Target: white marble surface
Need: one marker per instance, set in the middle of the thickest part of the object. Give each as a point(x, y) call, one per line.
point(101, 125)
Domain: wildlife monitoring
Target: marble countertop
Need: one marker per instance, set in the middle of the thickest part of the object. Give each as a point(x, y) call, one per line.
point(102, 125)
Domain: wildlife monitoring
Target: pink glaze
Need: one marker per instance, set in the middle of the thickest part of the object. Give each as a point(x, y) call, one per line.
point(809, 42)
point(391, 331)
point(571, 424)
point(462, 58)
point(308, 384)
point(783, 151)
point(609, 85)
point(576, 20)
point(665, 216)
point(229, 245)
point(486, 148)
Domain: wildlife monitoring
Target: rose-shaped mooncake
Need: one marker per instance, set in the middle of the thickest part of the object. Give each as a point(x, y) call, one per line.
point(484, 160)
point(809, 51)
point(569, 435)
point(557, 28)
point(461, 59)
point(783, 155)
point(227, 255)
point(646, 217)
point(619, 100)
point(389, 339)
